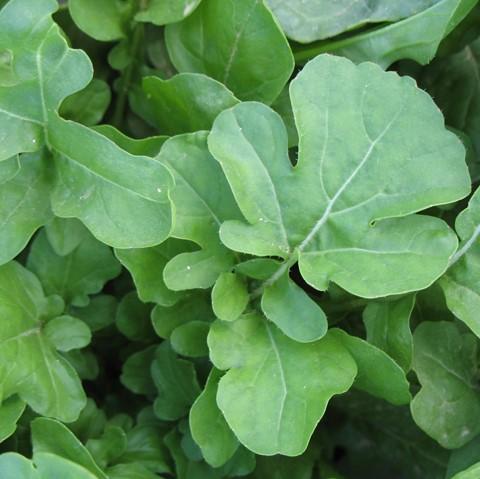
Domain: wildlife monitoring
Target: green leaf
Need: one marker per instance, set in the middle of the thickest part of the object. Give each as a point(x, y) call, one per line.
point(246, 51)
point(99, 313)
point(448, 404)
point(461, 284)
point(378, 374)
point(65, 234)
point(67, 333)
point(229, 297)
point(130, 471)
point(24, 205)
point(400, 40)
point(142, 147)
point(343, 210)
point(187, 102)
point(208, 426)
point(96, 181)
point(199, 211)
point(29, 366)
point(177, 384)
point(284, 468)
point(136, 374)
point(14, 465)
point(104, 21)
point(471, 473)
point(10, 412)
point(74, 276)
point(293, 311)
point(133, 318)
point(162, 12)
point(9, 168)
point(192, 308)
point(307, 21)
point(50, 436)
point(190, 339)
point(89, 105)
point(293, 383)
point(109, 447)
point(388, 328)
point(146, 266)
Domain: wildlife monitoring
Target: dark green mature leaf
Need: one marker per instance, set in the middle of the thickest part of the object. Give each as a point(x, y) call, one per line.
point(186, 103)
point(133, 318)
point(463, 457)
point(10, 411)
point(130, 471)
point(461, 284)
point(136, 374)
point(50, 436)
point(77, 275)
point(99, 313)
point(162, 12)
point(293, 383)
point(202, 202)
point(280, 467)
point(448, 405)
point(388, 327)
point(343, 211)
point(177, 384)
point(378, 374)
point(402, 39)
point(307, 21)
point(29, 366)
point(24, 204)
point(95, 180)
point(208, 427)
point(190, 339)
point(246, 51)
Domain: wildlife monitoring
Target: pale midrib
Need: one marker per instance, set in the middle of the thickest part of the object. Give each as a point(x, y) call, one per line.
point(23, 334)
point(282, 378)
point(465, 248)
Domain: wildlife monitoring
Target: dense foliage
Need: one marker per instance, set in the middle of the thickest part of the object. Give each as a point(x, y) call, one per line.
point(239, 238)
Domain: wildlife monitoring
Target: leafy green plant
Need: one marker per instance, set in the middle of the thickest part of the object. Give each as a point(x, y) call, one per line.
point(239, 238)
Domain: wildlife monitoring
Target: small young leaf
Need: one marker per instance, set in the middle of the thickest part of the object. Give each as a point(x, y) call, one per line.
point(67, 333)
point(448, 404)
point(388, 328)
point(246, 51)
point(208, 426)
point(229, 297)
point(65, 234)
point(293, 311)
point(10, 411)
point(190, 339)
point(99, 313)
point(162, 12)
point(177, 384)
point(293, 383)
point(74, 276)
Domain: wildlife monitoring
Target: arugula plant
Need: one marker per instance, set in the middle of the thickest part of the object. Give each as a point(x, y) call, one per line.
point(239, 238)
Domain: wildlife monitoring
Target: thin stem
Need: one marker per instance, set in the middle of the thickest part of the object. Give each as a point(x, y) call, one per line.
point(464, 249)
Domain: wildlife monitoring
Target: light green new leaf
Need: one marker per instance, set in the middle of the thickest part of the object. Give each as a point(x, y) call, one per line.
point(293, 311)
point(162, 12)
point(343, 210)
point(133, 318)
point(307, 21)
point(187, 102)
point(146, 266)
point(448, 405)
point(473, 472)
point(136, 372)
point(77, 275)
point(388, 328)
point(29, 366)
point(177, 384)
point(65, 234)
point(190, 339)
point(24, 204)
point(195, 307)
point(50, 436)
point(48, 466)
point(202, 200)
point(246, 50)
point(10, 411)
point(229, 296)
point(88, 105)
point(9, 168)
point(276, 389)
point(67, 333)
point(416, 37)
point(208, 427)
point(106, 21)
point(461, 284)
point(121, 198)
point(378, 374)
